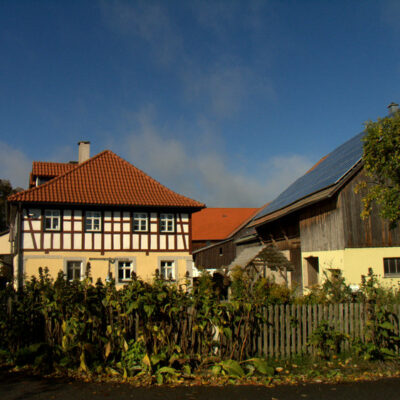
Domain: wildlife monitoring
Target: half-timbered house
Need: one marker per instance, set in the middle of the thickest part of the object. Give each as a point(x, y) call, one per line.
point(102, 213)
point(317, 222)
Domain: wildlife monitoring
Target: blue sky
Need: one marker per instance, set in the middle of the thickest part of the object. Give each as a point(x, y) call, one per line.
point(224, 101)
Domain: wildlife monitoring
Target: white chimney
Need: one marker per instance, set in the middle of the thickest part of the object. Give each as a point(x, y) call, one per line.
point(393, 107)
point(84, 151)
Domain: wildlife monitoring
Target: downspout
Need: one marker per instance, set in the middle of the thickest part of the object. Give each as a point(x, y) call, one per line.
point(20, 265)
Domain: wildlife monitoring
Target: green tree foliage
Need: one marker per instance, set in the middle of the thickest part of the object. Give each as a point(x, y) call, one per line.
point(382, 167)
point(5, 190)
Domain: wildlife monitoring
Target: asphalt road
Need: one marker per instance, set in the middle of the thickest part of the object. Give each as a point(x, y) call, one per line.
point(20, 387)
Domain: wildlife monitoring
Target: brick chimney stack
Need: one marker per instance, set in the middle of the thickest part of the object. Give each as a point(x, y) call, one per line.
point(84, 151)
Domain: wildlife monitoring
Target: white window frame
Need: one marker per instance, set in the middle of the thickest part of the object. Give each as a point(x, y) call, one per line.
point(167, 269)
point(167, 223)
point(74, 269)
point(142, 219)
point(90, 218)
point(123, 265)
point(52, 216)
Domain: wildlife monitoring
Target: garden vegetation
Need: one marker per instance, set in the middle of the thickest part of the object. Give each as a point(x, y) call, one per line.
point(163, 332)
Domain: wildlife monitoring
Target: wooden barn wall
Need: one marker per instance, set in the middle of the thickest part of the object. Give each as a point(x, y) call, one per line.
point(371, 232)
point(216, 256)
point(198, 244)
point(321, 226)
point(295, 259)
point(282, 232)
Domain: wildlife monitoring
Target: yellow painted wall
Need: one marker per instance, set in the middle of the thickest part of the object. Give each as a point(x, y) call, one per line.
point(327, 260)
point(146, 265)
point(5, 245)
point(353, 263)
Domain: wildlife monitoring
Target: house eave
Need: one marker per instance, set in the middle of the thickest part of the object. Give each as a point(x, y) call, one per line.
point(211, 246)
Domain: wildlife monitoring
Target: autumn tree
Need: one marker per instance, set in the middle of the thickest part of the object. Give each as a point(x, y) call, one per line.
point(5, 190)
point(382, 167)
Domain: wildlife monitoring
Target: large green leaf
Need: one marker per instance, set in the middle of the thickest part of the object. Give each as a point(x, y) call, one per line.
point(386, 325)
point(232, 368)
point(167, 370)
point(262, 366)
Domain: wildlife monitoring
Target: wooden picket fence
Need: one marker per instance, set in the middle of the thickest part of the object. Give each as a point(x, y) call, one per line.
point(289, 327)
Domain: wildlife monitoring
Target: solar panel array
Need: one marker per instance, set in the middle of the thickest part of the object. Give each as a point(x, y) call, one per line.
point(327, 173)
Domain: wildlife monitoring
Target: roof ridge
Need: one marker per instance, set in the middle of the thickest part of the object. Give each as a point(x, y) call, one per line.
point(141, 188)
point(150, 177)
point(53, 162)
point(55, 179)
point(247, 221)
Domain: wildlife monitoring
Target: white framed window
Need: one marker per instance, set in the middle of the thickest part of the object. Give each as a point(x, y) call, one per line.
point(74, 270)
point(167, 270)
point(125, 269)
point(140, 222)
point(33, 213)
point(167, 223)
point(93, 221)
point(52, 220)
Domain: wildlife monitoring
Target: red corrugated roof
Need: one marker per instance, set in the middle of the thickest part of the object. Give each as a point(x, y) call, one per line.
point(105, 179)
point(219, 223)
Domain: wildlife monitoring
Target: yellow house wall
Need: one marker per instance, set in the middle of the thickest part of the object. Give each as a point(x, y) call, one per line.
point(144, 265)
point(353, 263)
point(332, 259)
point(5, 245)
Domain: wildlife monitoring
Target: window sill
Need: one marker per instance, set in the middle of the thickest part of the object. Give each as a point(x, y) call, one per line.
point(391, 276)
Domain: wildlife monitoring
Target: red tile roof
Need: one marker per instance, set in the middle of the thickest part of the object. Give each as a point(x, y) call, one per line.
point(48, 169)
point(105, 179)
point(219, 223)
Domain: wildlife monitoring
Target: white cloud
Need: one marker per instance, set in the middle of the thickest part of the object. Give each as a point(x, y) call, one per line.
point(63, 154)
point(148, 21)
point(223, 88)
point(15, 166)
point(282, 170)
point(218, 79)
point(204, 172)
point(199, 168)
point(221, 17)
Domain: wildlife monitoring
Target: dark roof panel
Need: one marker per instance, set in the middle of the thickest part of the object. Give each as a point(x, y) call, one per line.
point(326, 173)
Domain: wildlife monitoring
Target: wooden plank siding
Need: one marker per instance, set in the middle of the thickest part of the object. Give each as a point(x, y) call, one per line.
point(332, 224)
point(322, 227)
point(372, 232)
point(285, 231)
point(217, 256)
